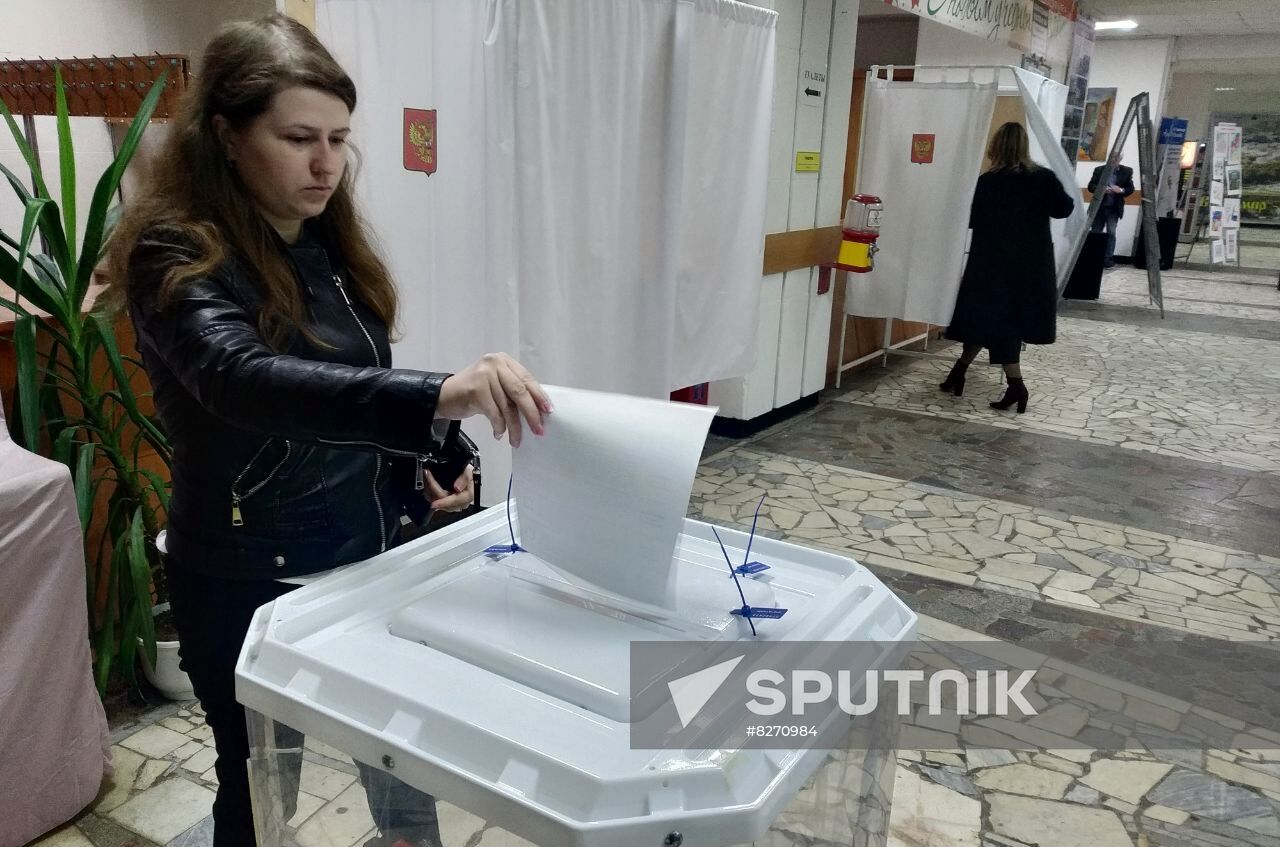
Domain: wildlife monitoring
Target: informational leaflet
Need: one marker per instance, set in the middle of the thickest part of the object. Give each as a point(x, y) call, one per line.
point(602, 496)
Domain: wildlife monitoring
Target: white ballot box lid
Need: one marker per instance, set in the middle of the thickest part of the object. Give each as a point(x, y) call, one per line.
point(495, 682)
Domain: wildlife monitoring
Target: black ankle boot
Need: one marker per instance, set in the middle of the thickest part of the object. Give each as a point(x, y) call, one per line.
point(955, 380)
point(1015, 393)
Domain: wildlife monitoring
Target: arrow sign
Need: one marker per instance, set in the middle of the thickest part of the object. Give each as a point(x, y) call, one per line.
point(813, 84)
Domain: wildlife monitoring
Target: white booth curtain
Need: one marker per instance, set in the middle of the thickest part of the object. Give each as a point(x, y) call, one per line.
point(1045, 103)
point(926, 206)
point(926, 215)
point(598, 207)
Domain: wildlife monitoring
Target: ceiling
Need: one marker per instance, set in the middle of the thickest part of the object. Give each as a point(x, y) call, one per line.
point(1190, 17)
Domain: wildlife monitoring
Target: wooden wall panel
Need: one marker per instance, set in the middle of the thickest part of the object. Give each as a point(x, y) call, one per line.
point(806, 248)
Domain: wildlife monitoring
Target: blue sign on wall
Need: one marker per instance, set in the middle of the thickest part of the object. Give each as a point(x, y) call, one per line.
point(1173, 130)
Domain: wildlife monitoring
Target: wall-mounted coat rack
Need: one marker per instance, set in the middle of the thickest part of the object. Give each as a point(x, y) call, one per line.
point(111, 87)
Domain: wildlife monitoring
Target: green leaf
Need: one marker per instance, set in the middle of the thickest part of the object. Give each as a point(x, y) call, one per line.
point(66, 162)
point(159, 487)
point(29, 220)
point(95, 226)
point(83, 477)
point(27, 154)
point(114, 213)
point(16, 308)
point(48, 270)
point(127, 647)
point(54, 416)
point(106, 648)
point(62, 448)
point(50, 222)
point(105, 332)
point(140, 569)
point(29, 385)
point(36, 291)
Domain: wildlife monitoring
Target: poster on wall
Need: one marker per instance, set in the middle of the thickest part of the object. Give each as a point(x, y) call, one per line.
point(1231, 213)
point(1216, 251)
point(1216, 193)
point(1037, 65)
point(1039, 30)
point(1235, 143)
point(1216, 215)
point(1173, 133)
point(1259, 164)
point(1220, 170)
point(1077, 84)
point(1095, 133)
point(1231, 245)
point(1221, 141)
point(1235, 184)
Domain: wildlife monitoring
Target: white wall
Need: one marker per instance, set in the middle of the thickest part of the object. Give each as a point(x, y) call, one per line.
point(79, 28)
point(84, 27)
point(794, 327)
point(1130, 66)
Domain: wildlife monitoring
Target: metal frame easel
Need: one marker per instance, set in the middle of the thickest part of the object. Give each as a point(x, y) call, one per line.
point(1139, 112)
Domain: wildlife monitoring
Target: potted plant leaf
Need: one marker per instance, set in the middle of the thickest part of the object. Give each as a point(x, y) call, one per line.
point(76, 396)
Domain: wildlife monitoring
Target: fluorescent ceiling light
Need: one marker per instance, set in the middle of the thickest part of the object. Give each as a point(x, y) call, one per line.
point(1224, 89)
point(1125, 24)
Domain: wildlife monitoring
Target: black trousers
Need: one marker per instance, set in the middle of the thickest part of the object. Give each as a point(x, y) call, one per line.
point(212, 616)
point(1107, 221)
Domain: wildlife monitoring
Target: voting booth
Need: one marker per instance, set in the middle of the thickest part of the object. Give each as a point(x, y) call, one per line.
point(491, 665)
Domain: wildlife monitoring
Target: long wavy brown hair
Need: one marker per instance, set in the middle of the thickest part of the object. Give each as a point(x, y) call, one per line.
point(1010, 150)
point(194, 189)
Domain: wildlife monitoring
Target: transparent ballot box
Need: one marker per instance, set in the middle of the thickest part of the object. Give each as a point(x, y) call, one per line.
point(442, 694)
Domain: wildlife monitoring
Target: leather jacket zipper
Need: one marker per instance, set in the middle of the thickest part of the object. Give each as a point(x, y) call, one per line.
point(236, 497)
point(377, 469)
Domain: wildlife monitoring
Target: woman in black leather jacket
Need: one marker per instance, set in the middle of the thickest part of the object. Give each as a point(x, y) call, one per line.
point(263, 317)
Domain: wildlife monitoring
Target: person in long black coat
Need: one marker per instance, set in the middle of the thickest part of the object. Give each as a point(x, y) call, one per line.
point(1009, 292)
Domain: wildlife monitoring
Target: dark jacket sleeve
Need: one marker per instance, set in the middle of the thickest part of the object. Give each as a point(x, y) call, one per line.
point(212, 346)
point(1125, 181)
point(1060, 202)
point(1093, 180)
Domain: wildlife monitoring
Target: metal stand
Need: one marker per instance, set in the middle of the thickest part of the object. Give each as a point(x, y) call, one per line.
point(1139, 112)
point(887, 346)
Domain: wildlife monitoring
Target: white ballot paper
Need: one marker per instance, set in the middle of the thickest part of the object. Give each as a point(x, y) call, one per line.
point(602, 496)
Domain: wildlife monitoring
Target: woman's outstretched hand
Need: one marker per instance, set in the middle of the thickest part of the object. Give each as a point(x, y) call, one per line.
point(501, 389)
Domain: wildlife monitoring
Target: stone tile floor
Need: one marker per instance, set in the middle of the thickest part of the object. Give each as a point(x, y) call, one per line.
point(1010, 547)
point(1194, 292)
point(1137, 501)
point(1185, 394)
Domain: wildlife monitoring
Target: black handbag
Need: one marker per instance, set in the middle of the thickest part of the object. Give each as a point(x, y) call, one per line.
point(450, 458)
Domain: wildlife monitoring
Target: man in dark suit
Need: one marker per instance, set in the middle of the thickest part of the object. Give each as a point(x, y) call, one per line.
point(1112, 209)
